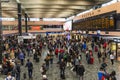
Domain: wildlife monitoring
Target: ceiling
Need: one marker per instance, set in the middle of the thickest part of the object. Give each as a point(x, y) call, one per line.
point(48, 8)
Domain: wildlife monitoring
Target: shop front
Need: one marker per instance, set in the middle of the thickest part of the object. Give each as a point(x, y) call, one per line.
point(118, 51)
point(115, 47)
point(76, 36)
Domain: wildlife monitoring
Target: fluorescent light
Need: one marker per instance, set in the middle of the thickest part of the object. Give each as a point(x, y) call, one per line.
point(54, 19)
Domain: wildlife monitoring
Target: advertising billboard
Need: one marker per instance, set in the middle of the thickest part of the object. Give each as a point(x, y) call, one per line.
point(67, 25)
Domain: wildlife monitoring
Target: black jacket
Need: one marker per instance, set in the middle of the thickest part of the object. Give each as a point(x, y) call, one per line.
point(81, 70)
point(62, 65)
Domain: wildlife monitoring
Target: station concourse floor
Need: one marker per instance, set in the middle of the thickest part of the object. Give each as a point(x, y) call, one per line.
point(53, 72)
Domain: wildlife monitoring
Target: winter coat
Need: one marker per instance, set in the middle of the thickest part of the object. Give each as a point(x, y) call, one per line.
point(81, 70)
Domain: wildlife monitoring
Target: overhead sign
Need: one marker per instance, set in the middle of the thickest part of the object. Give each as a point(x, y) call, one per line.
point(8, 19)
point(68, 25)
point(20, 39)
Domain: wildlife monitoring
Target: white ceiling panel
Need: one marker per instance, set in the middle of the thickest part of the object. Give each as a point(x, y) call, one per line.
point(48, 8)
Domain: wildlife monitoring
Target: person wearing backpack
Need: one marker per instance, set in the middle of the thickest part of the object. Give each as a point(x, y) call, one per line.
point(10, 77)
point(30, 68)
point(101, 74)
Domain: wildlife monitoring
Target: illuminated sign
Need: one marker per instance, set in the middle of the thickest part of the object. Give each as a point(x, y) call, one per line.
point(54, 19)
point(34, 19)
point(7, 19)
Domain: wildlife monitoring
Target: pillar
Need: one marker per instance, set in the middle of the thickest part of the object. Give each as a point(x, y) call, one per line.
point(0, 33)
point(26, 25)
point(19, 20)
point(116, 21)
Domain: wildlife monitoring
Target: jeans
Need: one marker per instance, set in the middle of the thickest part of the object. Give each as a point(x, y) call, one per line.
point(22, 61)
point(51, 61)
point(18, 76)
point(30, 71)
point(62, 71)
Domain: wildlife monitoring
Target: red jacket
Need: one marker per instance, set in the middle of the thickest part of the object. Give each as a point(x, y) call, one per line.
point(56, 51)
point(61, 51)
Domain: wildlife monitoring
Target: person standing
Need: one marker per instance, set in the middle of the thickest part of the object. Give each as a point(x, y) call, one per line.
point(62, 69)
point(104, 65)
point(76, 64)
point(47, 60)
point(51, 57)
point(101, 74)
point(81, 71)
point(112, 57)
point(99, 56)
point(29, 64)
point(21, 57)
point(18, 70)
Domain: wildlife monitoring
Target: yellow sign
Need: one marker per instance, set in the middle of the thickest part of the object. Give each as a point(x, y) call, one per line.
point(113, 47)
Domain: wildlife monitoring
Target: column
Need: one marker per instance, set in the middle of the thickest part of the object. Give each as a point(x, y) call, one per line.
point(117, 21)
point(0, 33)
point(26, 26)
point(19, 20)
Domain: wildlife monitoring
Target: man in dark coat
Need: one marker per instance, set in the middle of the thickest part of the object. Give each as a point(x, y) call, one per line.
point(80, 71)
point(29, 64)
point(62, 69)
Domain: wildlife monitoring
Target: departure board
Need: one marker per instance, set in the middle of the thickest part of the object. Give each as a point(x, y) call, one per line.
point(98, 23)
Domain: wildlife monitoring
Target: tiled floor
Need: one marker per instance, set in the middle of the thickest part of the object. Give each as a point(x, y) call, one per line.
point(53, 73)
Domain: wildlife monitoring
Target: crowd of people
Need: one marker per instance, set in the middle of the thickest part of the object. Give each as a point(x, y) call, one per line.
point(68, 52)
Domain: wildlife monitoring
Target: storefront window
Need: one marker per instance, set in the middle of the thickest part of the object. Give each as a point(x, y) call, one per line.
point(118, 52)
